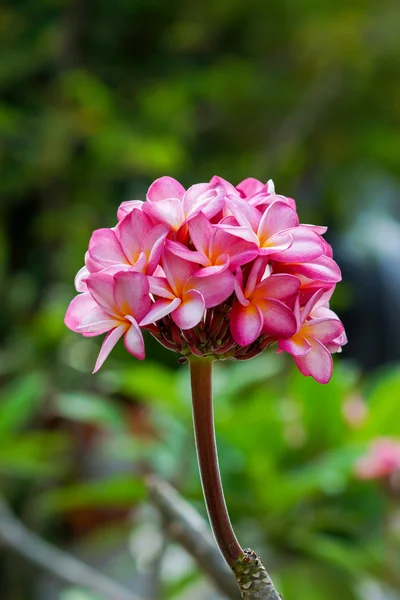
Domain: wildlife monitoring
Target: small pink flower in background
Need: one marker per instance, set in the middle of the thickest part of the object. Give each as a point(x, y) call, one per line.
point(381, 460)
point(214, 270)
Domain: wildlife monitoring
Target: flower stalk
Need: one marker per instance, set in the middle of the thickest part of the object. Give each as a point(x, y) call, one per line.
point(251, 576)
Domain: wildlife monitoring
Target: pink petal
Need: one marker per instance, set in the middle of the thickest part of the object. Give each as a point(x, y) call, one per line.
point(229, 188)
point(96, 321)
point(153, 245)
point(276, 244)
point(159, 286)
point(324, 330)
point(279, 320)
point(183, 252)
point(78, 308)
point(317, 363)
point(200, 230)
point(190, 312)
point(101, 286)
point(131, 232)
point(177, 270)
point(109, 342)
point(105, 249)
point(245, 233)
point(239, 251)
point(80, 277)
point(133, 340)
point(168, 212)
point(311, 303)
point(164, 188)
point(221, 264)
point(131, 294)
point(215, 289)
point(126, 207)
point(251, 186)
point(245, 323)
point(322, 268)
point(278, 217)
point(204, 197)
point(297, 345)
point(245, 214)
point(238, 287)
point(307, 245)
point(279, 286)
point(255, 275)
point(161, 308)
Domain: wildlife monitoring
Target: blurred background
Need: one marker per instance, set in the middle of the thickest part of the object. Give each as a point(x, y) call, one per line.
point(97, 99)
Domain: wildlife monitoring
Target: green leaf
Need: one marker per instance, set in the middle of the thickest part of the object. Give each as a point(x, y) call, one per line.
point(148, 381)
point(90, 408)
point(384, 405)
point(19, 401)
point(121, 491)
point(34, 453)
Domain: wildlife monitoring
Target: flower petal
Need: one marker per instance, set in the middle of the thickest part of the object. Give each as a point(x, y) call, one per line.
point(190, 312)
point(101, 286)
point(131, 232)
point(131, 294)
point(80, 279)
point(279, 286)
point(133, 340)
point(183, 252)
point(324, 330)
point(153, 245)
point(296, 345)
point(245, 323)
point(279, 320)
point(109, 342)
point(307, 245)
point(97, 321)
point(177, 270)
point(126, 207)
point(160, 309)
point(214, 289)
point(322, 268)
point(278, 217)
point(78, 308)
point(164, 188)
point(200, 231)
point(105, 249)
point(159, 286)
point(317, 363)
point(169, 212)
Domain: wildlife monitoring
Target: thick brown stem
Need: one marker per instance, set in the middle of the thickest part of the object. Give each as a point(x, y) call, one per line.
point(203, 418)
point(252, 578)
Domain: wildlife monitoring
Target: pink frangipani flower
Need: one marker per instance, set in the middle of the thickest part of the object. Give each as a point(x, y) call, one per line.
point(134, 243)
point(115, 304)
point(221, 271)
point(260, 306)
point(216, 250)
point(308, 345)
point(183, 295)
point(169, 203)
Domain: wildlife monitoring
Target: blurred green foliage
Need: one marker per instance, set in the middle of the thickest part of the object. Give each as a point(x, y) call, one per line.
point(96, 100)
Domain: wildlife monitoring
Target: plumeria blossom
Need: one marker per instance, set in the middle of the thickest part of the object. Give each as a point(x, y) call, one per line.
point(260, 305)
point(113, 304)
point(308, 345)
point(212, 270)
point(134, 243)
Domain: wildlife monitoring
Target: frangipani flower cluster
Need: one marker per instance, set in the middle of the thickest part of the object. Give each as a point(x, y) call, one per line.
point(215, 270)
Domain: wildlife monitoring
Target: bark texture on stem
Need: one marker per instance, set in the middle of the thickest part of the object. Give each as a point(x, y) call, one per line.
point(252, 578)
